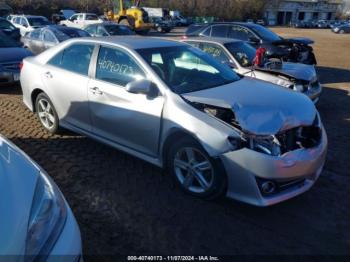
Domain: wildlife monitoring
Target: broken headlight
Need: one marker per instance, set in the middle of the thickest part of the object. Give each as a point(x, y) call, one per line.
point(267, 145)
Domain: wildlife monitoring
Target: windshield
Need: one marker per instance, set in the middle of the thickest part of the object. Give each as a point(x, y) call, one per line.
point(265, 33)
point(118, 30)
point(187, 69)
point(38, 21)
point(244, 53)
point(6, 41)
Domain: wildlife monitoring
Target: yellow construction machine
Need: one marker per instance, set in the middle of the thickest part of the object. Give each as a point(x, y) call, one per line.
point(129, 14)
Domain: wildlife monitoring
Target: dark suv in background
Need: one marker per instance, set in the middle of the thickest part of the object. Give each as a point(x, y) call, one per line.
point(292, 50)
point(9, 29)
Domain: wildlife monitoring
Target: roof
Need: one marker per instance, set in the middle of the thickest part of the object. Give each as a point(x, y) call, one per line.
point(134, 42)
point(218, 40)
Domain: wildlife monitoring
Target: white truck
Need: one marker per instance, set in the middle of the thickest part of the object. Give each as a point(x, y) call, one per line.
point(81, 20)
point(157, 12)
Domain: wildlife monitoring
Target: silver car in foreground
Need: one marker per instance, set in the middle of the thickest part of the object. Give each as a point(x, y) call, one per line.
point(177, 107)
point(36, 222)
point(240, 55)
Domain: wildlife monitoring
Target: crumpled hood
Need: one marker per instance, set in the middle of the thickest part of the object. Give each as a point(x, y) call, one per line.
point(13, 54)
point(18, 178)
point(260, 108)
point(294, 70)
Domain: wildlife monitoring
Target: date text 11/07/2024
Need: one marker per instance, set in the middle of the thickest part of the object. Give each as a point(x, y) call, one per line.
point(173, 258)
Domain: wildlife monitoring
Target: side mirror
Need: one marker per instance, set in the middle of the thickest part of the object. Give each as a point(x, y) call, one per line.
point(254, 40)
point(142, 86)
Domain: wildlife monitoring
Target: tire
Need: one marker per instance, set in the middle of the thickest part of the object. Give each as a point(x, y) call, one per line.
point(341, 32)
point(46, 113)
point(201, 176)
point(159, 29)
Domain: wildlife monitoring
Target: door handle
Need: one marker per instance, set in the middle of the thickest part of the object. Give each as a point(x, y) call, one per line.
point(96, 91)
point(48, 75)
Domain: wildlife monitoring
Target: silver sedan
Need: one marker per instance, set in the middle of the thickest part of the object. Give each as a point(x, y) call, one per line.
point(177, 107)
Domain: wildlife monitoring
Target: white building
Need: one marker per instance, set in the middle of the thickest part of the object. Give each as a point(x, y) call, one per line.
point(287, 11)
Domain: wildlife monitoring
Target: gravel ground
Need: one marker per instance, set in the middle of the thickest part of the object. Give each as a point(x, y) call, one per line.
point(126, 206)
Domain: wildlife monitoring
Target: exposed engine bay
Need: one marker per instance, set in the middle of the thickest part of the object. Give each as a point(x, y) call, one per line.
point(275, 145)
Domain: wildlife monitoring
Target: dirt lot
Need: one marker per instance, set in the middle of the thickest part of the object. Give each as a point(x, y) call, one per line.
point(126, 206)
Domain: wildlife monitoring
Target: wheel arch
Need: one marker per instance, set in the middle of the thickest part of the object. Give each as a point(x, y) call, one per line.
point(34, 95)
point(174, 135)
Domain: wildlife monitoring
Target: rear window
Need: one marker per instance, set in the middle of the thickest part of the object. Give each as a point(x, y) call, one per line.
point(38, 21)
point(195, 29)
point(6, 25)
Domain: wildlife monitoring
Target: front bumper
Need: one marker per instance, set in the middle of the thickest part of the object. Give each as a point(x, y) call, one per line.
point(244, 167)
point(68, 245)
point(8, 78)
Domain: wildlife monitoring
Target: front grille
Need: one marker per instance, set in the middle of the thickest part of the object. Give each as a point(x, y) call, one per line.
point(300, 137)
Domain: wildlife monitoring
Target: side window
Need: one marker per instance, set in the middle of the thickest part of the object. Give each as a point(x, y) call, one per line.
point(215, 51)
point(49, 37)
point(17, 20)
point(206, 31)
point(219, 31)
point(24, 22)
point(91, 29)
point(240, 33)
point(194, 44)
point(101, 31)
point(75, 58)
point(73, 18)
point(81, 17)
point(117, 67)
point(35, 34)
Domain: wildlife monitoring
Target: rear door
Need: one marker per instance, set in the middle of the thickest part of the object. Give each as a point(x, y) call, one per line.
point(66, 80)
point(131, 120)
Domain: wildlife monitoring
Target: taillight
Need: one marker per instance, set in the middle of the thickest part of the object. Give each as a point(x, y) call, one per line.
point(20, 66)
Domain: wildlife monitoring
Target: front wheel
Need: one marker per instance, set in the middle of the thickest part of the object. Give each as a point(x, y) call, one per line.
point(46, 113)
point(195, 171)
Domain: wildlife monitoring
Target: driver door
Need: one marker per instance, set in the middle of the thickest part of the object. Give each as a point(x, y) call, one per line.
point(131, 120)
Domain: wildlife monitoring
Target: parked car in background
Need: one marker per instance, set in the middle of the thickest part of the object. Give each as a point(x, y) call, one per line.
point(9, 29)
point(162, 25)
point(240, 56)
point(11, 56)
point(341, 29)
point(81, 20)
point(177, 107)
point(28, 23)
point(291, 50)
point(261, 22)
point(41, 39)
point(108, 29)
point(36, 221)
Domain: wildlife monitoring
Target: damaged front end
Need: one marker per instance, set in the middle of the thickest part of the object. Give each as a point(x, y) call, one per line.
point(301, 137)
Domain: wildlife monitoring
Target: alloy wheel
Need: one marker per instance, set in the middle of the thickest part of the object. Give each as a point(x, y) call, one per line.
point(194, 170)
point(46, 114)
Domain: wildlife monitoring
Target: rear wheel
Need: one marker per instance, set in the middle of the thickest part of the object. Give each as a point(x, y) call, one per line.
point(341, 32)
point(195, 171)
point(159, 29)
point(46, 113)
